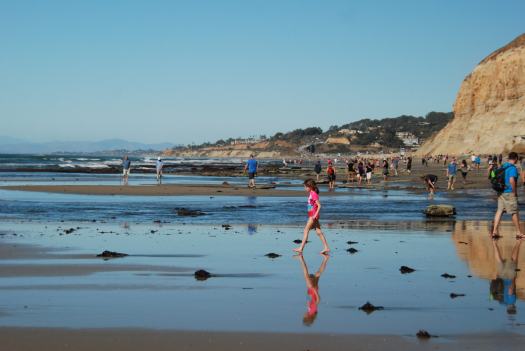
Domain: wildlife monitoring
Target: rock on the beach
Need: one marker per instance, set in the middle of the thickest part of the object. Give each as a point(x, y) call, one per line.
point(423, 334)
point(440, 211)
point(352, 242)
point(369, 308)
point(111, 254)
point(190, 213)
point(227, 226)
point(448, 276)
point(272, 255)
point(405, 270)
point(352, 250)
point(201, 274)
point(454, 295)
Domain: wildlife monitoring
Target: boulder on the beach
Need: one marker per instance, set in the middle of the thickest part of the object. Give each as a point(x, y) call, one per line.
point(189, 213)
point(423, 334)
point(111, 254)
point(201, 274)
point(405, 270)
point(352, 250)
point(440, 211)
point(227, 226)
point(272, 255)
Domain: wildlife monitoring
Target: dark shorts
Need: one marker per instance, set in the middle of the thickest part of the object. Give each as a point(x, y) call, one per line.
point(331, 177)
point(251, 175)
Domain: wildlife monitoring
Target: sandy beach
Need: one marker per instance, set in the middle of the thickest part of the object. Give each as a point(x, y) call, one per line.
point(25, 339)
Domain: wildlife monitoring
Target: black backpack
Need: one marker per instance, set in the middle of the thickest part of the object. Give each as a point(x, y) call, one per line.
point(497, 178)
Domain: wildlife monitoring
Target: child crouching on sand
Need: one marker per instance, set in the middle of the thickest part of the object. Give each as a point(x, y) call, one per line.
point(314, 207)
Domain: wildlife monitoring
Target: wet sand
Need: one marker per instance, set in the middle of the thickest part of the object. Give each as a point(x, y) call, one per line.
point(158, 190)
point(25, 339)
point(476, 179)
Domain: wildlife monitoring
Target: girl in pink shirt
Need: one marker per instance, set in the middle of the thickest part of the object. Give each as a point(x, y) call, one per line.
point(314, 207)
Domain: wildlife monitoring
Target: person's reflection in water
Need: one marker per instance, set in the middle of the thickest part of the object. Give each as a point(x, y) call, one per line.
point(252, 229)
point(312, 283)
point(503, 288)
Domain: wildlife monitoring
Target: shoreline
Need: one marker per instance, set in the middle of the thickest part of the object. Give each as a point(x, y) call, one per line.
point(159, 190)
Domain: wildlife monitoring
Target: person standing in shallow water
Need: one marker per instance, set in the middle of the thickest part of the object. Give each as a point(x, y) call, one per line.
point(508, 200)
point(314, 208)
point(464, 170)
point(330, 172)
point(318, 169)
point(409, 165)
point(126, 168)
point(251, 166)
point(452, 170)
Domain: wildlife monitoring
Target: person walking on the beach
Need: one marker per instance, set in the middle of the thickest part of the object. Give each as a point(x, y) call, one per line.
point(464, 170)
point(409, 165)
point(395, 163)
point(159, 165)
point(385, 170)
point(350, 175)
point(312, 284)
point(508, 199)
point(318, 169)
point(503, 288)
point(452, 170)
point(251, 166)
point(314, 208)
point(126, 168)
point(369, 168)
point(330, 171)
point(361, 173)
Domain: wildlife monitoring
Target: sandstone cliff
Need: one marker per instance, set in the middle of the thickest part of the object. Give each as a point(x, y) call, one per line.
point(489, 112)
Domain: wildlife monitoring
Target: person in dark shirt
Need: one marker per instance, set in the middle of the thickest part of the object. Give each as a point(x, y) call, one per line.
point(318, 169)
point(430, 182)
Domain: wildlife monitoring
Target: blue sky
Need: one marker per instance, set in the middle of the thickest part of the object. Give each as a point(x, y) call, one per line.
point(193, 71)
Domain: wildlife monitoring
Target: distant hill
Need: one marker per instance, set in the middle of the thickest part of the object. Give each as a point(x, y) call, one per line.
point(363, 135)
point(10, 145)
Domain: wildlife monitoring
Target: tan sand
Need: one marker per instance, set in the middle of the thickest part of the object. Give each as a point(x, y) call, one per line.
point(30, 339)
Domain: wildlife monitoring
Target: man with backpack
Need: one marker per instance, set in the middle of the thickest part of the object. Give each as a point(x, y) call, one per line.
point(505, 181)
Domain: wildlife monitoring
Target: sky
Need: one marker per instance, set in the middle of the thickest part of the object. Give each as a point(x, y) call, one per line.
point(194, 71)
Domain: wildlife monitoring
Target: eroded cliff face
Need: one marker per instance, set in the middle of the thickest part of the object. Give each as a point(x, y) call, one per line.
point(489, 112)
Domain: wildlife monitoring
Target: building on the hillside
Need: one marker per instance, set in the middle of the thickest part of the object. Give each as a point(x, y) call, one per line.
point(251, 140)
point(407, 138)
point(346, 131)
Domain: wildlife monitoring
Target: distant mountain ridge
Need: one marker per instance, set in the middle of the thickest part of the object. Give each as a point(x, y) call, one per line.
point(10, 145)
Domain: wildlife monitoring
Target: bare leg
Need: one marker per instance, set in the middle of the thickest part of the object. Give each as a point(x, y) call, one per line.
point(497, 220)
point(516, 221)
point(305, 236)
point(326, 249)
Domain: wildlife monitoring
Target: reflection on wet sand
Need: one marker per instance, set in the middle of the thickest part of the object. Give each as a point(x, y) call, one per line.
point(490, 260)
point(312, 284)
